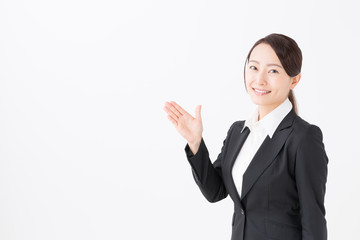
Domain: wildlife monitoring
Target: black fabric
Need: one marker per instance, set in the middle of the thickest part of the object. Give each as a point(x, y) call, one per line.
point(283, 187)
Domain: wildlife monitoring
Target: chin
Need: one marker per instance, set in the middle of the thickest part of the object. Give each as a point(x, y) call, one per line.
point(258, 101)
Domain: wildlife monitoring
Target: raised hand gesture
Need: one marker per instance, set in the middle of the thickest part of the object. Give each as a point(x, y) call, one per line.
point(189, 127)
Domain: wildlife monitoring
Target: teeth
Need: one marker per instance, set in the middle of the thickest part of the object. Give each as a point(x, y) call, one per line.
point(261, 91)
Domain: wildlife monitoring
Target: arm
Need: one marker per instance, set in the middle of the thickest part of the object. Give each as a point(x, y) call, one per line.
point(311, 175)
point(207, 175)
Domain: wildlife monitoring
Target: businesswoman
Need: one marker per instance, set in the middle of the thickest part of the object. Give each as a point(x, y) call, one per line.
point(273, 164)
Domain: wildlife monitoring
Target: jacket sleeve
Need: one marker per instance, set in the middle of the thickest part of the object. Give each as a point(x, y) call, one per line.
point(207, 175)
point(311, 176)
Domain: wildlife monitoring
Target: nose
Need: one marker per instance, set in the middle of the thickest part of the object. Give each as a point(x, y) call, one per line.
point(260, 78)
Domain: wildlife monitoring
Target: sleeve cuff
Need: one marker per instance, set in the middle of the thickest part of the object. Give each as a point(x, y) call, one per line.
point(189, 153)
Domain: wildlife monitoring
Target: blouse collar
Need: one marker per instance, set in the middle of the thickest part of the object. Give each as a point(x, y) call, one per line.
point(270, 121)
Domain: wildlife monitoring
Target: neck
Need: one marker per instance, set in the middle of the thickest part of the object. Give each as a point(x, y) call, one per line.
point(263, 110)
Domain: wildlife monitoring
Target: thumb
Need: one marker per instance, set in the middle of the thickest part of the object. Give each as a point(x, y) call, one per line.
point(197, 112)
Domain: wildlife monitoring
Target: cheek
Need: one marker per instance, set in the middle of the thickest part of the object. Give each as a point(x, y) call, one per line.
point(248, 84)
point(279, 85)
point(248, 78)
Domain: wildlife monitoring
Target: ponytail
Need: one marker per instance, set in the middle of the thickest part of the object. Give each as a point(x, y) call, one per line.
point(293, 101)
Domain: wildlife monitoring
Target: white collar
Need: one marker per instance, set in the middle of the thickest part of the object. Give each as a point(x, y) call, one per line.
point(271, 120)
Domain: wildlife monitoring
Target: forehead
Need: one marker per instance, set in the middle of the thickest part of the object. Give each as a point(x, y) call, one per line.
point(264, 54)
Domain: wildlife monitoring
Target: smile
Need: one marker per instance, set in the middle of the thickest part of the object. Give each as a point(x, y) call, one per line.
point(260, 92)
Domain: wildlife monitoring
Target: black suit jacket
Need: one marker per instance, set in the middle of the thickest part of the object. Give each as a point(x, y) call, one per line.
point(283, 187)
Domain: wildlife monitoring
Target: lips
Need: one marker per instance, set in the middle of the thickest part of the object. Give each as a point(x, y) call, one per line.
point(260, 92)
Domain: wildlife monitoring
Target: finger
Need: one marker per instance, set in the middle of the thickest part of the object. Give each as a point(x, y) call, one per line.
point(172, 120)
point(198, 112)
point(174, 110)
point(171, 113)
point(180, 109)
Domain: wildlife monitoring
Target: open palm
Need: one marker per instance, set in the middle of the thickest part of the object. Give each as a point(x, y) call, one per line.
point(189, 127)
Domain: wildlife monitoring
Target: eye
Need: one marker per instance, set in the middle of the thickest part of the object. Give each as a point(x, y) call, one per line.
point(273, 71)
point(252, 67)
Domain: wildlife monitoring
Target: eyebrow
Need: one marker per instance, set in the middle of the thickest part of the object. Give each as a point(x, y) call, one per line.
point(270, 64)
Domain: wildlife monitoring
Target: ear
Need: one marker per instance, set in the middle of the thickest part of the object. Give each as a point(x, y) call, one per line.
point(294, 81)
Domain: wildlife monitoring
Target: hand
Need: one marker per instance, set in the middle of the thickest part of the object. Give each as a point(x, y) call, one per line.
point(189, 127)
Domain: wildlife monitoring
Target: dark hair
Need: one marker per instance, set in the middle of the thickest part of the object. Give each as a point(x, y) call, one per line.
point(289, 55)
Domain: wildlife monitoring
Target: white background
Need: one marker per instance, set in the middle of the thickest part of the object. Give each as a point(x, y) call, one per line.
point(86, 150)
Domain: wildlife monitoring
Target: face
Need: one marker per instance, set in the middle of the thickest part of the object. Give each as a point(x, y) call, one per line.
point(266, 80)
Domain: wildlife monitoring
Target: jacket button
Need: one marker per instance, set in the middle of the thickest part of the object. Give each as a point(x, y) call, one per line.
point(242, 211)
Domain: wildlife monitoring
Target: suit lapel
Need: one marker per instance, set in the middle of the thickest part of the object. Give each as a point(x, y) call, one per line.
point(266, 153)
point(233, 151)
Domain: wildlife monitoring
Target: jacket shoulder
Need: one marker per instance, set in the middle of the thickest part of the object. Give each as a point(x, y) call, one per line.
point(303, 129)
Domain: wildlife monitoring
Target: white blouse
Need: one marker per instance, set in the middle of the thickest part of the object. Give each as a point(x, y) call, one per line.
point(258, 132)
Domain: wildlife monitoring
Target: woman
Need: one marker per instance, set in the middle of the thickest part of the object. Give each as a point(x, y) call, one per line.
point(273, 164)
